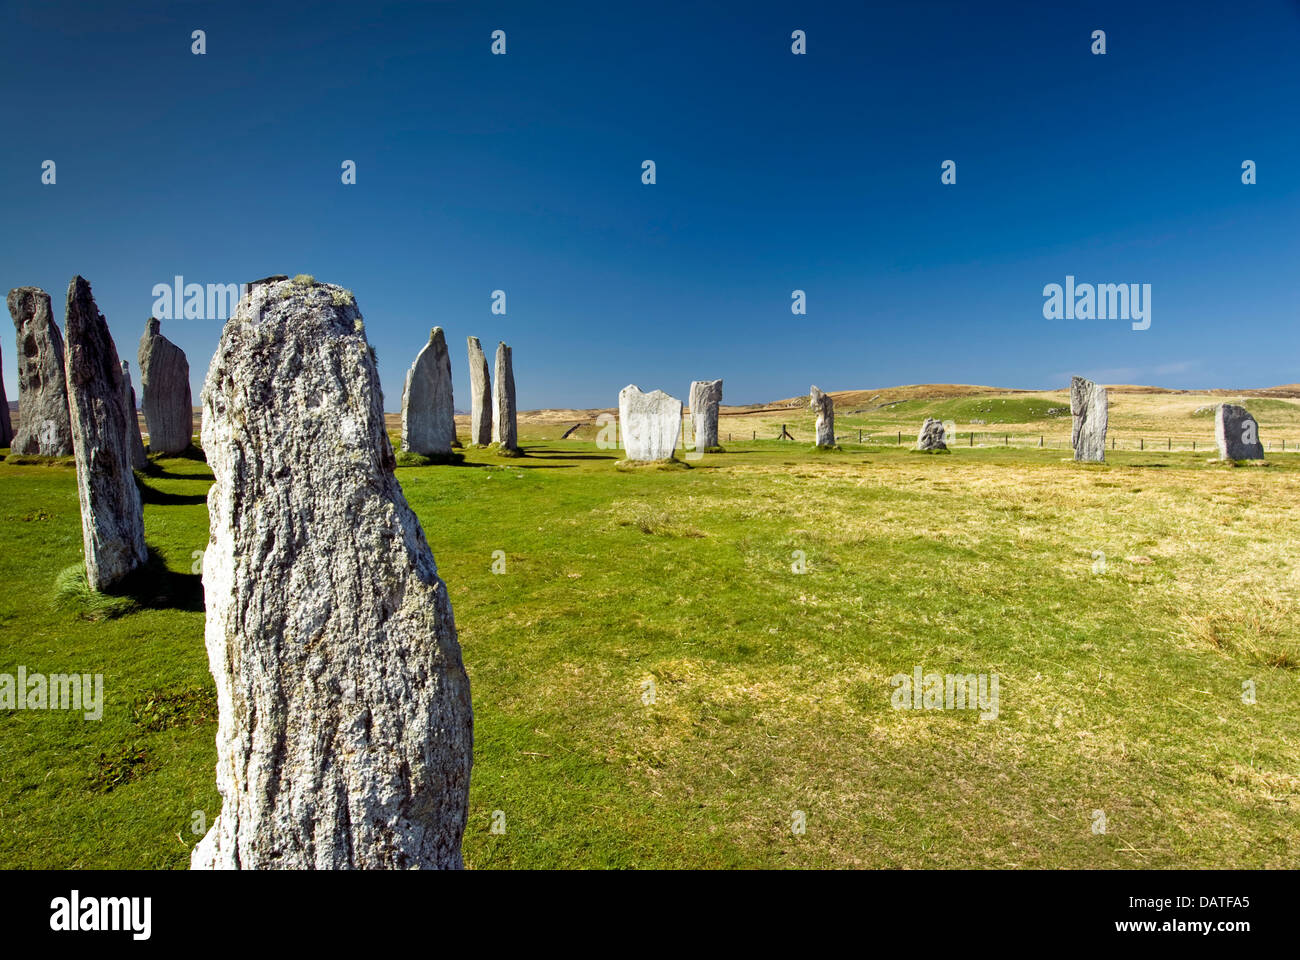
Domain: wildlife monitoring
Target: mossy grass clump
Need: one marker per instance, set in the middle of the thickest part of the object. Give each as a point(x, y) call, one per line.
point(941, 450)
point(73, 592)
point(406, 458)
point(827, 448)
point(671, 463)
point(497, 450)
point(151, 584)
point(33, 460)
point(714, 449)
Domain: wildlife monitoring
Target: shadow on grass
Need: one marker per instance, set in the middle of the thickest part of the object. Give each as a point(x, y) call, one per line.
point(149, 587)
point(150, 495)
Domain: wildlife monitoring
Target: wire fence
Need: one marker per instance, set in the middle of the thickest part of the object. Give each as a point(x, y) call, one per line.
point(983, 438)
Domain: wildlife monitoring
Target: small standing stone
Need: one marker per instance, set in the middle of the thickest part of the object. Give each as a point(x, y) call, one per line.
point(134, 442)
point(112, 519)
point(1237, 433)
point(650, 423)
point(1088, 406)
point(706, 397)
point(931, 436)
point(428, 411)
point(44, 427)
point(165, 385)
point(504, 427)
point(822, 405)
point(480, 388)
point(344, 727)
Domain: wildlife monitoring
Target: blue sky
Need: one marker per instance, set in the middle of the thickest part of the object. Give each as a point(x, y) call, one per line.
point(775, 172)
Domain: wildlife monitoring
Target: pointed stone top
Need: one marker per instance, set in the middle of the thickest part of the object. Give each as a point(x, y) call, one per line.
point(473, 341)
point(274, 278)
point(436, 334)
point(152, 326)
point(633, 390)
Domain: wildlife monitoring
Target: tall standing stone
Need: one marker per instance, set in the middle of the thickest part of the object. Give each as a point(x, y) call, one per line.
point(112, 519)
point(44, 427)
point(822, 405)
point(1237, 433)
point(6, 426)
point(480, 388)
point(165, 387)
point(706, 397)
point(504, 426)
point(649, 423)
point(344, 734)
point(1089, 409)
point(931, 436)
point(134, 442)
point(428, 411)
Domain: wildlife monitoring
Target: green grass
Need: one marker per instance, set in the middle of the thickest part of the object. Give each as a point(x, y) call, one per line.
point(991, 410)
point(1120, 691)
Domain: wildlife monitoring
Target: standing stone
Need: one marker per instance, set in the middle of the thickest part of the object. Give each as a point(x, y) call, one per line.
point(1237, 433)
point(165, 385)
point(706, 397)
point(1089, 409)
point(6, 426)
point(112, 519)
point(650, 423)
point(931, 436)
point(134, 442)
point(428, 412)
point(824, 407)
point(480, 388)
point(504, 427)
point(44, 427)
point(344, 735)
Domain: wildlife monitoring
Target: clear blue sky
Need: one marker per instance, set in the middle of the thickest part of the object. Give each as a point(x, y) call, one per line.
point(775, 172)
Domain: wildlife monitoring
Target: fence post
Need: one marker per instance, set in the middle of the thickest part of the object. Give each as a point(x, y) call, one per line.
point(859, 436)
point(1193, 446)
point(972, 438)
point(1006, 440)
point(1040, 441)
point(1142, 443)
point(900, 438)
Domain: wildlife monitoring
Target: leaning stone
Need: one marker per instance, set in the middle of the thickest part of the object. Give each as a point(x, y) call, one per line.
point(504, 426)
point(650, 423)
point(480, 389)
point(6, 425)
point(165, 387)
point(44, 427)
point(134, 442)
point(1237, 433)
point(822, 405)
point(1089, 408)
point(344, 733)
point(428, 412)
point(112, 519)
point(706, 397)
point(931, 436)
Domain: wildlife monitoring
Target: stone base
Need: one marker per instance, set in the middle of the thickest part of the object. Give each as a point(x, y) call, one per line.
point(500, 451)
point(714, 449)
point(672, 463)
point(405, 458)
point(827, 448)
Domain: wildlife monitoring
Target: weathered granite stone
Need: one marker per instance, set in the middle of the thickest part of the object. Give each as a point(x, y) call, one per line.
point(134, 442)
point(1237, 433)
point(504, 426)
point(165, 388)
point(931, 436)
point(6, 425)
point(344, 734)
point(650, 423)
point(112, 519)
point(43, 424)
point(480, 388)
point(706, 397)
point(1089, 409)
point(428, 412)
point(824, 407)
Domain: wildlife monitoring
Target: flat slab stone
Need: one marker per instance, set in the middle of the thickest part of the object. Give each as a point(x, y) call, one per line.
point(480, 395)
point(428, 410)
point(705, 398)
point(112, 518)
point(505, 428)
point(822, 405)
point(165, 386)
point(649, 423)
point(1237, 433)
point(344, 729)
point(931, 436)
point(44, 425)
point(1088, 406)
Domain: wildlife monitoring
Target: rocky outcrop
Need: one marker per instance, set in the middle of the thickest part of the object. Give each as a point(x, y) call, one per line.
point(428, 411)
point(706, 397)
point(344, 733)
point(480, 389)
point(1089, 409)
point(505, 430)
point(649, 423)
point(1237, 433)
point(44, 428)
point(931, 436)
point(112, 518)
point(134, 442)
point(165, 387)
point(824, 407)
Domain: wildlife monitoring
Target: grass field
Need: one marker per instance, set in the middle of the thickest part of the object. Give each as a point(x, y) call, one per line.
point(1121, 690)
